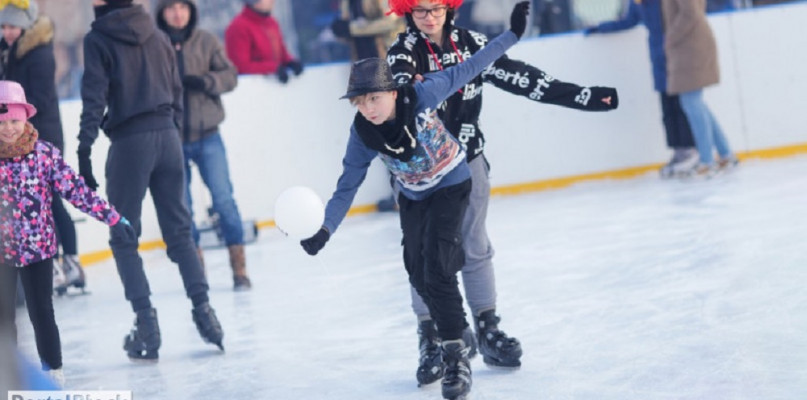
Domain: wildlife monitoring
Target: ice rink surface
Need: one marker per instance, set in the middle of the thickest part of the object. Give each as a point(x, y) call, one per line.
point(636, 289)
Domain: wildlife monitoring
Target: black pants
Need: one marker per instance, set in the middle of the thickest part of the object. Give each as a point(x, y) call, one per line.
point(152, 161)
point(676, 124)
point(65, 228)
point(37, 283)
point(433, 254)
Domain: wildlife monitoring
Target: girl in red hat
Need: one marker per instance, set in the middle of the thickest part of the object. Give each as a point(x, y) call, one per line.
point(432, 43)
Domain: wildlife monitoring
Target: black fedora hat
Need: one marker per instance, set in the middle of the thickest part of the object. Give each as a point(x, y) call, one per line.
point(369, 75)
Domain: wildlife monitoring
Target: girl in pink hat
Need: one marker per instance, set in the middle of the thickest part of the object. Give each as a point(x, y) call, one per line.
point(30, 170)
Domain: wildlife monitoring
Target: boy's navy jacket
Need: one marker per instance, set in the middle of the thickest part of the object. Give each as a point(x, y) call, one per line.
point(130, 67)
point(439, 160)
point(414, 53)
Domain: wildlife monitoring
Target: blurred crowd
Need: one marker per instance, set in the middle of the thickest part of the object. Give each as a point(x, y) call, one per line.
point(307, 25)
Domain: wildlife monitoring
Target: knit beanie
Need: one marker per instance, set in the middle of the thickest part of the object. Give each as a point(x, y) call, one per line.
point(250, 2)
point(21, 17)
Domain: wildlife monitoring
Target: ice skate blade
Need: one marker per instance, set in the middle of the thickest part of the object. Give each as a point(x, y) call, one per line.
point(498, 365)
point(144, 361)
point(424, 384)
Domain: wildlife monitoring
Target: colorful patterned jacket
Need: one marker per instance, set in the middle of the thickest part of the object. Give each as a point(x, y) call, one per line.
point(27, 183)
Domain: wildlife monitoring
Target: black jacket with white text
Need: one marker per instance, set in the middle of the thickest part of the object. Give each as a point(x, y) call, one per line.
point(413, 53)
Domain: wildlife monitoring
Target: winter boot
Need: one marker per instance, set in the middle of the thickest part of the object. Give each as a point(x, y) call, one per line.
point(208, 325)
point(497, 349)
point(457, 379)
point(143, 342)
point(73, 271)
point(238, 262)
point(430, 367)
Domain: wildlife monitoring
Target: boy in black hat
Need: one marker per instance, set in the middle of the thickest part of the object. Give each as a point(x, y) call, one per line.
point(400, 125)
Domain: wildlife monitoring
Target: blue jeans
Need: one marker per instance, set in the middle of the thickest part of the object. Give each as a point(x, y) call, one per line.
point(210, 157)
point(705, 129)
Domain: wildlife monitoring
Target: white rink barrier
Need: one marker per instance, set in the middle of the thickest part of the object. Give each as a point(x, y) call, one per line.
point(279, 136)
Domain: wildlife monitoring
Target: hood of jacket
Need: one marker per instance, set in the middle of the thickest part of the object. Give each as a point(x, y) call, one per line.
point(41, 33)
point(162, 4)
point(131, 25)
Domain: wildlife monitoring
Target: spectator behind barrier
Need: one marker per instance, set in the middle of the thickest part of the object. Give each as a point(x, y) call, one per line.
point(368, 28)
point(255, 43)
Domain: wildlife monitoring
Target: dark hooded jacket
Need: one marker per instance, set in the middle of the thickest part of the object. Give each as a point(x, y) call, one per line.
point(414, 53)
point(130, 70)
point(32, 65)
point(199, 53)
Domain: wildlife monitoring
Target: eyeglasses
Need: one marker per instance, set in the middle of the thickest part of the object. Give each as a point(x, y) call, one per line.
point(436, 12)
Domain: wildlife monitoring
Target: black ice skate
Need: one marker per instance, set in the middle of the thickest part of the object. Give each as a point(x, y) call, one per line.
point(457, 379)
point(430, 367)
point(497, 349)
point(143, 342)
point(208, 325)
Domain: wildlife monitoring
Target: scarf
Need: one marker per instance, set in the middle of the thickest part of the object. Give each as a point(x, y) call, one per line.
point(397, 139)
point(24, 144)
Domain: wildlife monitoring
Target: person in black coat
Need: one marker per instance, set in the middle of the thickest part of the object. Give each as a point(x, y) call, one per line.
point(26, 50)
point(131, 89)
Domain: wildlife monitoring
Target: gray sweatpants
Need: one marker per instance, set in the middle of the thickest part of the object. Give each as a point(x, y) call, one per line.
point(152, 161)
point(477, 273)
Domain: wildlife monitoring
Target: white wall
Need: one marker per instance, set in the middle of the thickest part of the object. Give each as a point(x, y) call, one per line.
point(280, 136)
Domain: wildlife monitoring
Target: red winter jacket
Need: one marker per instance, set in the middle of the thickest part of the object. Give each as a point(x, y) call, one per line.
point(255, 43)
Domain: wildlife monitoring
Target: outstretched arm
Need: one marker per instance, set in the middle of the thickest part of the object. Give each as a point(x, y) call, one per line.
point(355, 164)
point(520, 78)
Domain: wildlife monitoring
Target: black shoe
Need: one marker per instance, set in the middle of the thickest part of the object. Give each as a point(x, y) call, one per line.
point(143, 342)
point(208, 325)
point(430, 367)
point(497, 349)
point(457, 380)
point(241, 283)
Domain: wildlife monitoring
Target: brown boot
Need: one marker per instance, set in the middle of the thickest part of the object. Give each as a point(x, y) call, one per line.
point(238, 262)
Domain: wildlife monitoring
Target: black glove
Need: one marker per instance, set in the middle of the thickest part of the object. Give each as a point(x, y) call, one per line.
point(123, 231)
point(591, 30)
point(315, 243)
point(85, 167)
point(518, 19)
point(193, 82)
point(282, 75)
point(295, 66)
point(603, 99)
point(341, 28)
